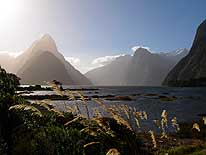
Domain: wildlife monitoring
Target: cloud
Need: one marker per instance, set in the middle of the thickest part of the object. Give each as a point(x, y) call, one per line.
point(137, 47)
point(73, 61)
point(102, 61)
point(77, 63)
point(81, 66)
point(11, 54)
point(84, 66)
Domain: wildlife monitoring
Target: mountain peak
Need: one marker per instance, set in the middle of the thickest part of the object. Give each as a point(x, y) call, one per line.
point(141, 51)
point(43, 58)
point(45, 43)
point(201, 33)
point(46, 37)
point(178, 52)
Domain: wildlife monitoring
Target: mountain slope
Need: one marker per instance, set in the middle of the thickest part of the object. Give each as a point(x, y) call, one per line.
point(143, 69)
point(53, 69)
point(176, 55)
point(111, 74)
point(147, 69)
point(47, 44)
point(42, 62)
point(191, 70)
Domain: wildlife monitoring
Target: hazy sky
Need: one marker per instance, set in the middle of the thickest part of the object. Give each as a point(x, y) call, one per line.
point(87, 29)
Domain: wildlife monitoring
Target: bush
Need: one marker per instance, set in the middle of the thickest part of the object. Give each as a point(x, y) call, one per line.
point(186, 130)
point(49, 140)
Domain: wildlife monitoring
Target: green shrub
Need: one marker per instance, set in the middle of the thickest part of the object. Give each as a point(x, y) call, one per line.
point(186, 130)
point(49, 140)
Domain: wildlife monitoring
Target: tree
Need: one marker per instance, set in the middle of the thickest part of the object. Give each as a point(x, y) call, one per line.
point(8, 86)
point(8, 83)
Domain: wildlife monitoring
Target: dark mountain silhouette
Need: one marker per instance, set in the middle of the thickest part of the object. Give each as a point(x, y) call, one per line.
point(191, 70)
point(143, 68)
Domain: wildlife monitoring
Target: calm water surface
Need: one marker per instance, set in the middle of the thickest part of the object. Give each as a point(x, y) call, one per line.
point(189, 104)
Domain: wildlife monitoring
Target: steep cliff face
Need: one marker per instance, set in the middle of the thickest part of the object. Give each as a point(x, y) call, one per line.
point(191, 70)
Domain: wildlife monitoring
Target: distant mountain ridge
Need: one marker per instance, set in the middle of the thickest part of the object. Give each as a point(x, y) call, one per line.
point(142, 69)
point(111, 74)
point(191, 70)
point(42, 62)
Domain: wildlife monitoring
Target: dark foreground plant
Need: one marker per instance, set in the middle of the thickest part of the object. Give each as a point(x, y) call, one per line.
point(39, 128)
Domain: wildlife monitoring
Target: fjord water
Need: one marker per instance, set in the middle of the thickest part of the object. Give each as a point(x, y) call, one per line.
point(188, 105)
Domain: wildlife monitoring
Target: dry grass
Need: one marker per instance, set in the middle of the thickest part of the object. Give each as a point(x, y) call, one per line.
point(123, 114)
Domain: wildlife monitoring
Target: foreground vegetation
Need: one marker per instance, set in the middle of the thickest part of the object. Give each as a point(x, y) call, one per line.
point(39, 128)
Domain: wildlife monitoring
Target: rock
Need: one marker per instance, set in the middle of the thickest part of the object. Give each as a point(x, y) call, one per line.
point(191, 70)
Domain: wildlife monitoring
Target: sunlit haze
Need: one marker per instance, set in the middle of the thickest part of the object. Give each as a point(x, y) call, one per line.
point(86, 30)
point(103, 77)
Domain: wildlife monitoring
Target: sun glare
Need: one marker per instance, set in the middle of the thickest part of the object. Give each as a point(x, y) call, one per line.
point(9, 9)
